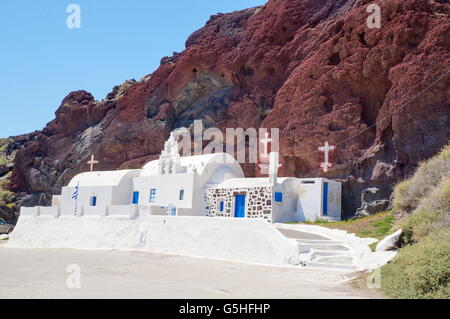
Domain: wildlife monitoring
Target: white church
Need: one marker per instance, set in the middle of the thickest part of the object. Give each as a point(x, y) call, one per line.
point(211, 185)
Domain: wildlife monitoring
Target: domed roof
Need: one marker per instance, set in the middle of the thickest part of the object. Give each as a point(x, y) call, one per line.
point(198, 163)
point(107, 178)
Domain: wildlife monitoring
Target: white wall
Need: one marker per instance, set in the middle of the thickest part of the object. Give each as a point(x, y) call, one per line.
point(120, 193)
point(250, 240)
point(168, 189)
point(303, 200)
point(194, 185)
point(104, 196)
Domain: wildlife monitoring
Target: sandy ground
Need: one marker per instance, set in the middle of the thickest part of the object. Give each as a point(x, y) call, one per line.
point(116, 274)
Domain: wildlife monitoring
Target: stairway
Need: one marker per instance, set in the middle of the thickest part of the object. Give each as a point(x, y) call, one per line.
point(325, 253)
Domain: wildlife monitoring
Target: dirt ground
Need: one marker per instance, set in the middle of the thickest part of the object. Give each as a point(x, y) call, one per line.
point(40, 273)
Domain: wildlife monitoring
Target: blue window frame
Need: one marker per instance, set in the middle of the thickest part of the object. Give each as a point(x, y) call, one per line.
point(278, 197)
point(221, 206)
point(153, 195)
point(94, 201)
point(136, 198)
point(182, 194)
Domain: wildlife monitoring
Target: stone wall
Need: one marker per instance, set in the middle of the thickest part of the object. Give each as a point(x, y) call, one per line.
point(259, 202)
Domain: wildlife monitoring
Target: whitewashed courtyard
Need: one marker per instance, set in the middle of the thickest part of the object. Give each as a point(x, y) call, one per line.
point(42, 273)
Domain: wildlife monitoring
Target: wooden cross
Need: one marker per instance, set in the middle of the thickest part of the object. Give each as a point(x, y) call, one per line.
point(92, 162)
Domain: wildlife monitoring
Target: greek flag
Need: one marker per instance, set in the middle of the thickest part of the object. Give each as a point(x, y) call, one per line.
point(75, 194)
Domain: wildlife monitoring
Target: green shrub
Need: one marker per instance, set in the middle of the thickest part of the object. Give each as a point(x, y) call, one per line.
point(421, 270)
point(6, 197)
point(422, 267)
point(4, 142)
point(432, 214)
point(409, 194)
point(402, 199)
point(4, 161)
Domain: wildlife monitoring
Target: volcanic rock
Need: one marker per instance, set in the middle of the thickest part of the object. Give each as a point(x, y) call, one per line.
point(312, 68)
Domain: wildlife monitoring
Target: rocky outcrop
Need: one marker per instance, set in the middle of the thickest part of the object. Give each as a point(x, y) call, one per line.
point(8, 215)
point(372, 202)
point(309, 67)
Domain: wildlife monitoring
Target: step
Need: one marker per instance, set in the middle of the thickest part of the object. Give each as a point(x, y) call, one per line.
point(324, 253)
point(295, 234)
point(330, 266)
point(325, 247)
point(320, 241)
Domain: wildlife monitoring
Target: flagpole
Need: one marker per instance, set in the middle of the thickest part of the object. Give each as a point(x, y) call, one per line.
point(77, 188)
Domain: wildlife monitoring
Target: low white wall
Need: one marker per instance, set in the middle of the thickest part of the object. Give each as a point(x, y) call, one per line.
point(249, 240)
point(130, 211)
point(67, 211)
point(99, 211)
point(157, 211)
point(162, 211)
point(49, 211)
point(29, 211)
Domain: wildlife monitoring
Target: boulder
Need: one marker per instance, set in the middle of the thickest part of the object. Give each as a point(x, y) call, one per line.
point(371, 203)
point(390, 242)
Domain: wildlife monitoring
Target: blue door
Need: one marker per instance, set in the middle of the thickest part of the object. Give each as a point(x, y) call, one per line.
point(136, 198)
point(325, 199)
point(239, 206)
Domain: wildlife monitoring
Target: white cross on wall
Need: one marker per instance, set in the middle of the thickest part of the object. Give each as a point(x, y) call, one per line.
point(326, 150)
point(92, 162)
point(265, 142)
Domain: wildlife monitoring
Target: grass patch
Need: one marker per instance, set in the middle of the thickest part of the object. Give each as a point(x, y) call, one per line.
point(375, 226)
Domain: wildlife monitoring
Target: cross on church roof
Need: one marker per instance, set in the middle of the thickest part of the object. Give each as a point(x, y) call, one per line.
point(92, 162)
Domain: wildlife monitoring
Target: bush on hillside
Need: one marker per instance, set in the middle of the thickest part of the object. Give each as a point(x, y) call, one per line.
point(409, 194)
point(432, 214)
point(6, 197)
point(421, 270)
point(4, 161)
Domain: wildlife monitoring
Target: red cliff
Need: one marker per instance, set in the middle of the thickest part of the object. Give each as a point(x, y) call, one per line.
point(312, 68)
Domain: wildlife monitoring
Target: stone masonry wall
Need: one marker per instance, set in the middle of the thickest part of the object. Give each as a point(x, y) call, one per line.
point(259, 202)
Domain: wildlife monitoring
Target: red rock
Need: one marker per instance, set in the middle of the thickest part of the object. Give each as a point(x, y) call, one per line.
point(309, 67)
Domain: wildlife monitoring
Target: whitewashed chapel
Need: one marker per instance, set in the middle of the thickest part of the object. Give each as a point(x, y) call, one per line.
point(206, 185)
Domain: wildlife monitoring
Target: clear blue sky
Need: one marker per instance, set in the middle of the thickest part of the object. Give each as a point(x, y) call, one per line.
point(42, 60)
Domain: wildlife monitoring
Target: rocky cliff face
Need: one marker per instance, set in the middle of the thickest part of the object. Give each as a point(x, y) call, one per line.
point(309, 67)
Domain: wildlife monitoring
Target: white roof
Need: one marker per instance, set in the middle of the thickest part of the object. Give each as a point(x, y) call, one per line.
point(200, 162)
point(106, 178)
